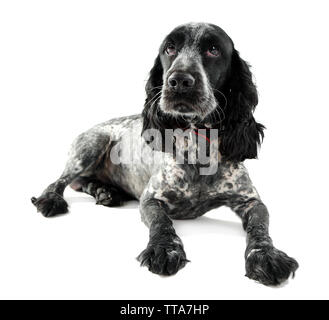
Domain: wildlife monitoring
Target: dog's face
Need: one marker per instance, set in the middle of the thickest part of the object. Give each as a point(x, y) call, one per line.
point(199, 79)
point(195, 59)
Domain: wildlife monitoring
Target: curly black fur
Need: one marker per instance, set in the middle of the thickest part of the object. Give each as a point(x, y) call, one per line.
point(242, 134)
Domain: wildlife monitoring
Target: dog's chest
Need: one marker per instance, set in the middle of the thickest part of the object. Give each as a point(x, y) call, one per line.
point(186, 193)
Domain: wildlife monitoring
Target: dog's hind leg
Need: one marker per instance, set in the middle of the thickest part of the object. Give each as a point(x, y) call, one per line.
point(104, 194)
point(86, 151)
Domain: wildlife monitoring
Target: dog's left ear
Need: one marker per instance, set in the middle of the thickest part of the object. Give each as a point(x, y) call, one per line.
point(242, 134)
point(153, 87)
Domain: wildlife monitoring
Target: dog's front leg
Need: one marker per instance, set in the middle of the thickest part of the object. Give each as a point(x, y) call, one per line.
point(264, 263)
point(164, 254)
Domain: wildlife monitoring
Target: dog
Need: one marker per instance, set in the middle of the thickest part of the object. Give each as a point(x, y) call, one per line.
point(201, 88)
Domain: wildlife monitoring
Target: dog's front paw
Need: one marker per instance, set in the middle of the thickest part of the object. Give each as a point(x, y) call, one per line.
point(164, 259)
point(50, 204)
point(269, 265)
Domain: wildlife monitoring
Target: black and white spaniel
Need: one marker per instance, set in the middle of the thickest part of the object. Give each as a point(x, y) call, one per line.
point(183, 156)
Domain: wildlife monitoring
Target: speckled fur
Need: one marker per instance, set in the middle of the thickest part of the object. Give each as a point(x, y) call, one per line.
point(165, 189)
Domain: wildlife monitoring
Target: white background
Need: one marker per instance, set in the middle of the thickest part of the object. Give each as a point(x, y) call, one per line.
point(67, 65)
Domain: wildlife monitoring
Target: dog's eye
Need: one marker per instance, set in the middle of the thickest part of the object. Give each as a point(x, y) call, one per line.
point(170, 50)
point(213, 52)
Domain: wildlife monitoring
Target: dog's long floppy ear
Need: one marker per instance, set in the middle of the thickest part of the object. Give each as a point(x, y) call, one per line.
point(153, 88)
point(242, 134)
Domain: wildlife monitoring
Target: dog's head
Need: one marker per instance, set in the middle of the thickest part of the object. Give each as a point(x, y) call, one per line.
point(199, 78)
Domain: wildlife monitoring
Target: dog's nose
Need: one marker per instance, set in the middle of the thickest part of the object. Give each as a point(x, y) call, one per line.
point(181, 82)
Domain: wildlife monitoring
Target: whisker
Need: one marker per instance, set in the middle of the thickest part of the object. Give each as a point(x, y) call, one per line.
point(157, 95)
point(154, 88)
point(223, 95)
point(220, 112)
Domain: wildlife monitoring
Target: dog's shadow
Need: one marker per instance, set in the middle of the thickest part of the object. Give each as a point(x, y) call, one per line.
point(201, 225)
point(132, 204)
point(79, 199)
point(207, 225)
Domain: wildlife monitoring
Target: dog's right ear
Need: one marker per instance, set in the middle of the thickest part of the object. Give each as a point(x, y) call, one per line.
point(153, 88)
point(155, 81)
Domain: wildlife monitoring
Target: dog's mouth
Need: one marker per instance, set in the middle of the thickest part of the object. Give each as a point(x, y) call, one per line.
point(184, 104)
point(182, 107)
point(179, 107)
